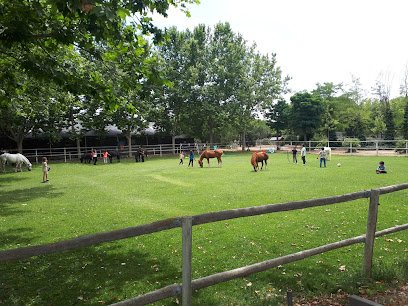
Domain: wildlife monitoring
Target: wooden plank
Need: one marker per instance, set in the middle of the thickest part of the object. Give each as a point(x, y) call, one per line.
point(89, 240)
point(151, 297)
point(187, 292)
point(160, 294)
point(265, 265)
point(271, 208)
point(370, 233)
point(393, 188)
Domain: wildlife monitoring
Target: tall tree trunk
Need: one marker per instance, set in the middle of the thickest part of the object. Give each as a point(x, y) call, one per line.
point(20, 144)
point(78, 144)
point(129, 139)
point(211, 138)
point(173, 143)
point(243, 140)
point(17, 137)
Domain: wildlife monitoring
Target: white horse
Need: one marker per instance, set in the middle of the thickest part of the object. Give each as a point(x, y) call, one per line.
point(18, 159)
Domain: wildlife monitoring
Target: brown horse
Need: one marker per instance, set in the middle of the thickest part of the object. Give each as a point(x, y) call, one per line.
point(259, 157)
point(210, 154)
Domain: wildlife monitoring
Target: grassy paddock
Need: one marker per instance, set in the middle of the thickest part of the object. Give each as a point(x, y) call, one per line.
point(83, 199)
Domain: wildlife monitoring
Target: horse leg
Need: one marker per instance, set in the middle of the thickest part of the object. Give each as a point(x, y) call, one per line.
point(265, 164)
point(208, 161)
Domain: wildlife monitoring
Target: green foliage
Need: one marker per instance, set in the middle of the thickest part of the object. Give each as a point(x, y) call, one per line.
point(278, 116)
point(389, 123)
point(218, 83)
point(85, 199)
point(405, 122)
point(306, 114)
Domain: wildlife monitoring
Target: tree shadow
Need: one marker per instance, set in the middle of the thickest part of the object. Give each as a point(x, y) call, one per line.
point(8, 199)
point(8, 180)
point(15, 236)
point(89, 276)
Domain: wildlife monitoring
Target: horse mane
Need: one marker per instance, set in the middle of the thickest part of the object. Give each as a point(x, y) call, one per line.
point(26, 161)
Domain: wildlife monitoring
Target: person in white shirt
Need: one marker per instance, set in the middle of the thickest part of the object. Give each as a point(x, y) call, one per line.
point(303, 154)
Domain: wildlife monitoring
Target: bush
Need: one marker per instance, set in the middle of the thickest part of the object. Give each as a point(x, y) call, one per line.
point(401, 146)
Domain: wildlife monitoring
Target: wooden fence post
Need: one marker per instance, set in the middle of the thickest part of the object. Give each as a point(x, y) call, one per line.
point(187, 229)
point(370, 233)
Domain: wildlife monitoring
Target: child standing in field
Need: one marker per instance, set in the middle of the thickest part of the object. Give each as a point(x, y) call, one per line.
point(181, 158)
point(191, 159)
point(105, 157)
point(322, 156)
point(381, 168)
point(45, 169)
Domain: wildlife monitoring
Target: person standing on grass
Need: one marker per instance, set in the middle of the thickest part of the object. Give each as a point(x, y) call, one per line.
point(105, 157)
point(322, 156)
point(294, 155)
point(181, 158)
point(94, 156)
point(191, 159)
point(45, 169)
point(303, 154)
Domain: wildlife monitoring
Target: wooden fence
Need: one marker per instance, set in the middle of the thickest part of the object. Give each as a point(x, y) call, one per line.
point(188, 284)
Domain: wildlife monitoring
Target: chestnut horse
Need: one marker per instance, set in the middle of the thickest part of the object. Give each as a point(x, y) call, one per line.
point(259, 157)
point(210, 154)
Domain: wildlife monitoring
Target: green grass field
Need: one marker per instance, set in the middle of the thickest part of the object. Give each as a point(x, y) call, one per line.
point(84, 199)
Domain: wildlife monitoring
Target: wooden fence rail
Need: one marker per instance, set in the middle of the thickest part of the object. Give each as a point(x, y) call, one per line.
point(188, 285)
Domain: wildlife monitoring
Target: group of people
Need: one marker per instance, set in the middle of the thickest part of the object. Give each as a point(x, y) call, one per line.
point(302, 154)
point(323, 158)
point(140, 155)
point(191, 158)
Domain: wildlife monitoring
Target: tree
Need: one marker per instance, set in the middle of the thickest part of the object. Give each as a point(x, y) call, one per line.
point(405, 122)
point(389, 123)
point(169, 100)
point(258, 129)
point(404, 83)
point(306, 114)
point(382, 90)
point(278, 116)
point(33, 106)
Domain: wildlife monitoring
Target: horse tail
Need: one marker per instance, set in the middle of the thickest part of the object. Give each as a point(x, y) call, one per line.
point(266, 156)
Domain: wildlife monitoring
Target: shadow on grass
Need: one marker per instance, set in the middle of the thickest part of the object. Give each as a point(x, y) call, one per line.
point(9, 199)
point(89, 276)
point(14, 237)
point(10, 179)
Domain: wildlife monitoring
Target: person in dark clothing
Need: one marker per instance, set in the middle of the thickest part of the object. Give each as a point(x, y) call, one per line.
point(191, 162)
point(294, 155)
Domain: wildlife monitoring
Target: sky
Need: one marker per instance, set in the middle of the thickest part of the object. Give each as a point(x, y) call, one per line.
point(316, 41)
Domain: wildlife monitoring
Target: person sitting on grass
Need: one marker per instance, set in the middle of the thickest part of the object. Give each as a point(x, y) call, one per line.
point(381, 168)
